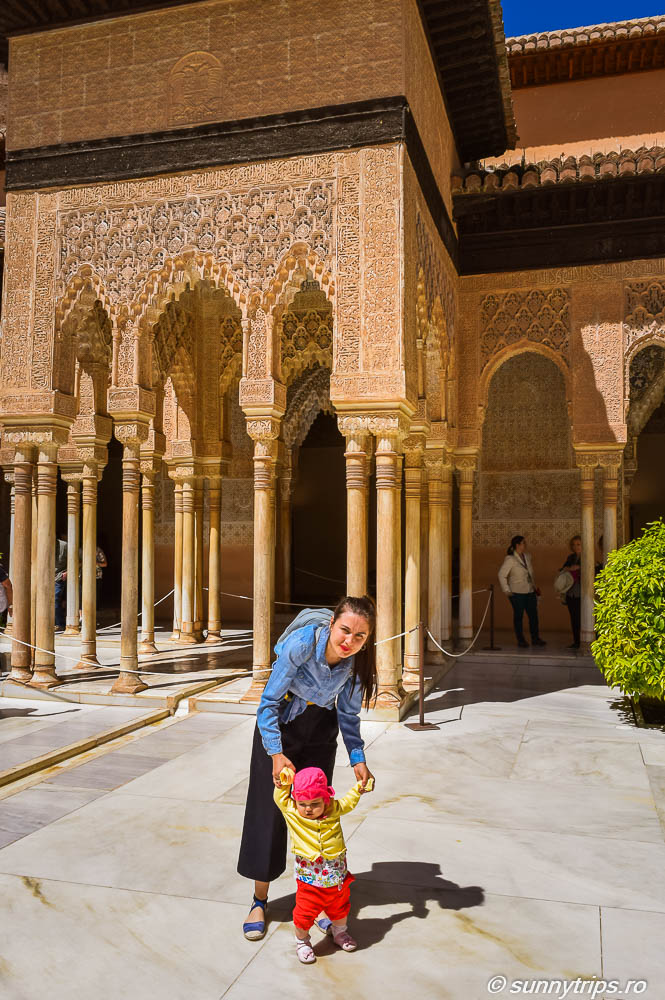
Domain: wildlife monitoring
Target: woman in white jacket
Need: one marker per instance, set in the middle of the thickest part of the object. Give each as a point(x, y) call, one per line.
point(516, 579)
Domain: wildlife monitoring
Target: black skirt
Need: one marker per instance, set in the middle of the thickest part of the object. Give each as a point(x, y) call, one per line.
point(309, 740)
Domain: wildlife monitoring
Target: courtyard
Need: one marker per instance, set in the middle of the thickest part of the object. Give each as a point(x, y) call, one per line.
point(522, 838)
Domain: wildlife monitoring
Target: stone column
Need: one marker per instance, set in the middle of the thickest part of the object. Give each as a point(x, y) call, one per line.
point(188, 563)
point(47, 478)
point(466, 466)
point(177, 561)
point(424, 543)
point(88, 657)
point(587, 466)
point(21, 566)
point(33, 556)
point(629, 472)
point(611, 464)
point(12, 512)
point(128, 680)
point(147, 644)
point(264, 432)
point(413, 477)
point(214, 562)
point(390, 690)
point(357, 454)
point(198, 560)
point(399, 619)
point(286, 540)
point(73, 542)
point(434, 464)
point(447, 555)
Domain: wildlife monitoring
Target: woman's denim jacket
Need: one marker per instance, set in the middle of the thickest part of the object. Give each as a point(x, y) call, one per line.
point(302, 672)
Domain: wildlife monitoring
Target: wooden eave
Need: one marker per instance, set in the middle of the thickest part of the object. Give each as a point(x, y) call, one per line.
point(596, 59)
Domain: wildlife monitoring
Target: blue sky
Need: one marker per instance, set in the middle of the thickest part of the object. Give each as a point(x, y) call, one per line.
point(524, 17)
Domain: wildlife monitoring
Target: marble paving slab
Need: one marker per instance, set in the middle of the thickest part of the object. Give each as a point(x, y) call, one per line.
point(429, 944)
point(506, 803)
point(63, 941)
point(34, 808)
point(581, 758)
point(565, 867)
point(633, 947)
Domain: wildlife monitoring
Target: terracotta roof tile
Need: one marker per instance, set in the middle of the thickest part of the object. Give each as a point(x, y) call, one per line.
point(569, 37)
point(561, 170)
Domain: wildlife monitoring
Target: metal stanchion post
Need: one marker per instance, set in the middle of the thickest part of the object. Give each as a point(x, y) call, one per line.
point(491, 645)
point(421, 724)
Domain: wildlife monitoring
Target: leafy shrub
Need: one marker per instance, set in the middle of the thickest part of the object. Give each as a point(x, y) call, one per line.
point(630, 615)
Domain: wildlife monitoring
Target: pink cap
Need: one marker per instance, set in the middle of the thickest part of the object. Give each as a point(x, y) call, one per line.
point(311, 783)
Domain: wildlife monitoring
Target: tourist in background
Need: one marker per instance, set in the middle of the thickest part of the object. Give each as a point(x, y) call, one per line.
point(516, 579)
point(6, 596)
point(573, 565)
point(61, 581)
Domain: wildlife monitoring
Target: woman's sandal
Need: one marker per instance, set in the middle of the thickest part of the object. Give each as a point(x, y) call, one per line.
point(304, 950)
point(254, 930)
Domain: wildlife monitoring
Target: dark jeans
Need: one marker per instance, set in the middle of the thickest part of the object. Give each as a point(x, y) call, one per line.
point(309, 740)
point(575, 612)
point(60, 603)
point(522, 603)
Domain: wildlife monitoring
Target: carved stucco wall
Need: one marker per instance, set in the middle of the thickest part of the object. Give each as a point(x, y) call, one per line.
point(527, 483)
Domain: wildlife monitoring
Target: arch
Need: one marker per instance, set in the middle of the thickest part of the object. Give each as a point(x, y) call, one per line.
point(640, 405)
point(521, 347)
point(83, 330)
point(298, 255)
point(83, 289)
point(307, 397)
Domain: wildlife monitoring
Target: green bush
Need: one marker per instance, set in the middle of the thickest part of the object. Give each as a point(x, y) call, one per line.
point(630, 615)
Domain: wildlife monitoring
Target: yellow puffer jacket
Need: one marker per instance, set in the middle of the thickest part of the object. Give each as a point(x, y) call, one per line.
point(314, 838)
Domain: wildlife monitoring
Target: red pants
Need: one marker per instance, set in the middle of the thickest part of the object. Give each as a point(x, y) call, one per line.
point(312, 899)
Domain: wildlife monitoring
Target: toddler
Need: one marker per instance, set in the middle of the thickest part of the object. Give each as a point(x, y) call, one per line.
point(323, 882)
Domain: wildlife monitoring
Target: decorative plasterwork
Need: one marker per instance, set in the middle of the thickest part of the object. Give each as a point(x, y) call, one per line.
point(521, 318)
point(307, 397)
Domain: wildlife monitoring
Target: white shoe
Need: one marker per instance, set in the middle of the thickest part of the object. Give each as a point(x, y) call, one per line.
point(304, 950)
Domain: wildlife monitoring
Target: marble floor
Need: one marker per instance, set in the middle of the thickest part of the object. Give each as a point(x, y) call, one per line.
point(524, 838)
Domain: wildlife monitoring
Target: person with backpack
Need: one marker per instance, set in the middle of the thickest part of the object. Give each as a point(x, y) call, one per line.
point(325, 672)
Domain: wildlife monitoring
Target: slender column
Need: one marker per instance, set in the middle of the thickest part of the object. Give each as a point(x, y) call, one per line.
point(88, 656)
point(424, 543)
point(435, 482)
point(447, 554)
point(611, 464)
point(128, 680)
point(188, 563)
point(466, 466)
point(198, 560)
point(357, 486)
point(413, 477)
point(47, 477)
point(286, 540)
point(177, 563)
point(73, 532)
point(587, 472)
point(33, 556)
point(147, 644)
point(12, 514)
point(273, 547)
point(214, 562)
point(629, 471)
point(264, 533)
point(399, 618)
point(390, 691)
point(21, 566)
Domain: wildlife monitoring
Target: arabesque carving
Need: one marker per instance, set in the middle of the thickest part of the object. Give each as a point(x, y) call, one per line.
point(539, 315)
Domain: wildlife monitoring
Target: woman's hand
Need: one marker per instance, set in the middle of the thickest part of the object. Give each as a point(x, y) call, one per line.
point(279, 761)
point(363, 774)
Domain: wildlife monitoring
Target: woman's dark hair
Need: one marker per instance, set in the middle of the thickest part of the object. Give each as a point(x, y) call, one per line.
point(515, 540)
point(575, 538)
point(364, 661)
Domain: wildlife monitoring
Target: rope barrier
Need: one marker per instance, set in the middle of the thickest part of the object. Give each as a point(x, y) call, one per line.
point(329, 579)
point(107, 627)
point(398, 636)
point(473, 641)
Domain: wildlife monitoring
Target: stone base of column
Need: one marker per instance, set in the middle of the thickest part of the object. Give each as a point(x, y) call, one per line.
point(23, 675)
point(175, 635)
point(8, 629)
point(187, 637)
point(87, 661)
point(72, 630)
point(146, 646)
point(390, 696)
point(411, 673)
point(255, 690)
point(214, 633)
point(128, 684)
point(45, 677)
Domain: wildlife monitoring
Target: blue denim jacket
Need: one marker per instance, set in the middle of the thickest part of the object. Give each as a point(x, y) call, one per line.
point(301, 668)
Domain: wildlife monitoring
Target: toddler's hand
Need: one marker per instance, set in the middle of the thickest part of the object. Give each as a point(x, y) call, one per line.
point(286, 776)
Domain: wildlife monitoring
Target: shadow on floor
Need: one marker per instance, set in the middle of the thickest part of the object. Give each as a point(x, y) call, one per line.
point(409, 884)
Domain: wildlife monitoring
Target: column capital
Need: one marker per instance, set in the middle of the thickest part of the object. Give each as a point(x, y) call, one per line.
point(264, 429)
point(413, 447)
